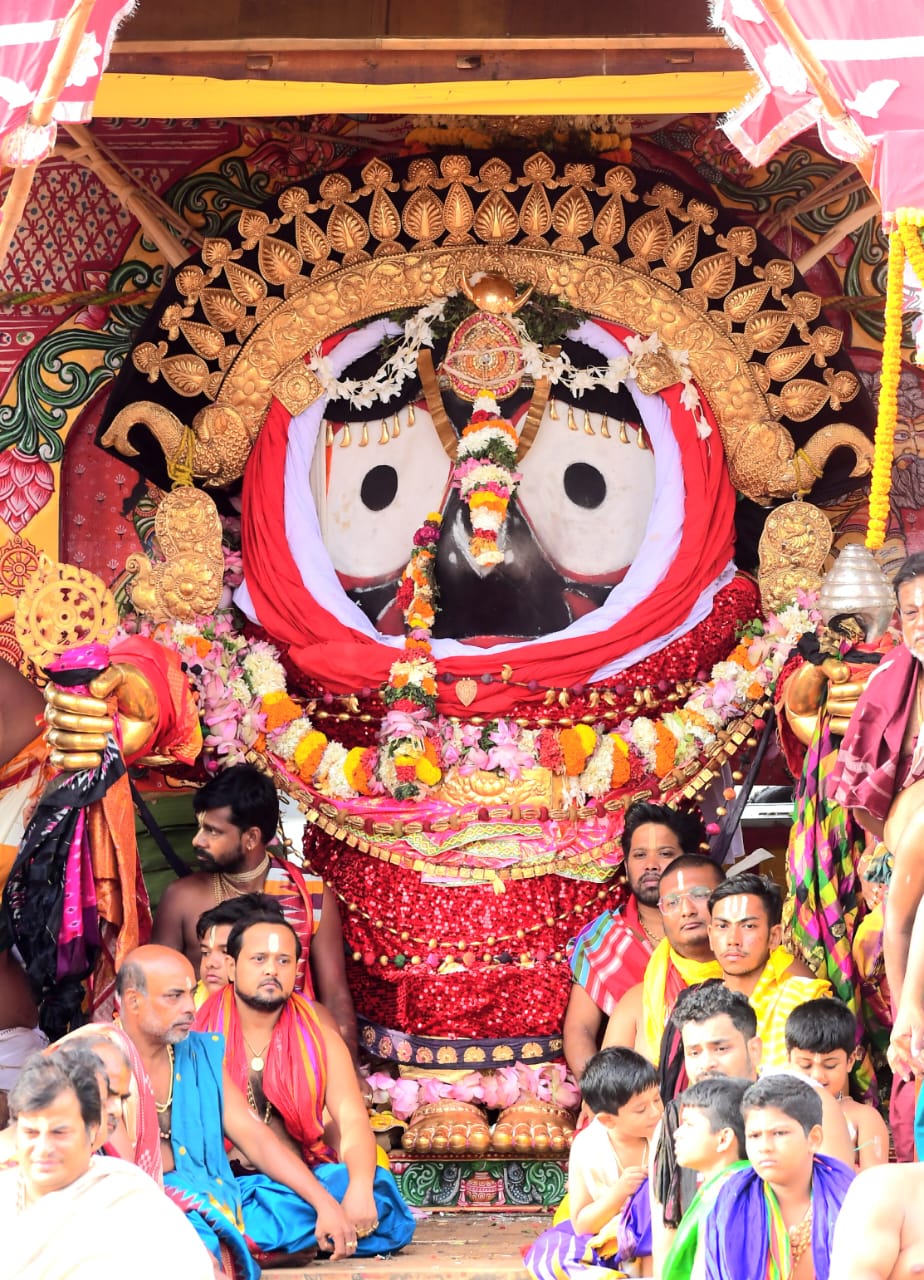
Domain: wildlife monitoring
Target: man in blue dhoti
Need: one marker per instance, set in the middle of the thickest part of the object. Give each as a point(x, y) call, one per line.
point(283, 1207)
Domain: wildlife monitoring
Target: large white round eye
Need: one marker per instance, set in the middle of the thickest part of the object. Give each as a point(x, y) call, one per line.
point(587, 491)
point(378, 493)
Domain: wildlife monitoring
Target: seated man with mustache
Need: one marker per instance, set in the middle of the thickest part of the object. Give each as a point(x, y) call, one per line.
point(284, 1206)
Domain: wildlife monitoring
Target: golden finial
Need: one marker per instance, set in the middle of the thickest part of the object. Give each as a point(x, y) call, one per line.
point(495, 294)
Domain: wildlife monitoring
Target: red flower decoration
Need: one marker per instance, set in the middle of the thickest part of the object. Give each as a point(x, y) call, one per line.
point(26, 485)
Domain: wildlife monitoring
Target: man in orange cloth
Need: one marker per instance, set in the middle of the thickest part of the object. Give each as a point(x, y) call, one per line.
point(290, 1062)
point(238, 813)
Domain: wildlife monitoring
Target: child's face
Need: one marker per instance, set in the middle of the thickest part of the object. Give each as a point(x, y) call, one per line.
point(213, 958)
point(830, 1070)
point(695, 1145)
point(638, 1118)
point(777, 1146)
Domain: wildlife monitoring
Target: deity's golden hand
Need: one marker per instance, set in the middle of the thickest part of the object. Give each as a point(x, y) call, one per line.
point(834, 684)
point(80, 723)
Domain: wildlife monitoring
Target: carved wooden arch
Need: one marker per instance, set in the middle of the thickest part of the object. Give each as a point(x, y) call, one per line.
point(750, 346)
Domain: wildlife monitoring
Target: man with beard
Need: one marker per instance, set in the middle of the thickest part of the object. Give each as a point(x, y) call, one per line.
point(284, 1207)
point(745, 932)
point(719, 1037)
point(291, 1064)
point(611, 953)
point(683, 958)
point(238, 812)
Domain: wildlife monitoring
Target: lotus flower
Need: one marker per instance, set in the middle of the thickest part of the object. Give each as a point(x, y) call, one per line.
point(26, 484)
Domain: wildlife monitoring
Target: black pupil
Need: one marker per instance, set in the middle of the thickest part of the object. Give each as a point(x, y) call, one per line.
point(379, 487)
point(584, 485)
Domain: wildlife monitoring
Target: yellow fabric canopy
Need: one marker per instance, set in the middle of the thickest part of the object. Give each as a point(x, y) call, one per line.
point(202, 97)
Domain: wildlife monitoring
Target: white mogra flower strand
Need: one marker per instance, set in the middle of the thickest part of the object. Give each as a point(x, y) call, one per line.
point(401, 365)
point(397, 369)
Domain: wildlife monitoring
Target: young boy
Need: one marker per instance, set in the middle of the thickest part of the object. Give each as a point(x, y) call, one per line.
point(610, 1220)
point(821, 1040)
point(777, 1219)
point(710, 1140)
point(212, 931)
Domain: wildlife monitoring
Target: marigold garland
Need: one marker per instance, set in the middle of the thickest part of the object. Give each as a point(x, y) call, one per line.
point(486, 477)
point(884, 446)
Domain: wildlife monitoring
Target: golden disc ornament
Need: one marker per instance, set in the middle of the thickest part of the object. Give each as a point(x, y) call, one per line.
point(60, 608)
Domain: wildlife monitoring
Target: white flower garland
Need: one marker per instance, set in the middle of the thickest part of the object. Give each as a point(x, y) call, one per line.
point(401, 365)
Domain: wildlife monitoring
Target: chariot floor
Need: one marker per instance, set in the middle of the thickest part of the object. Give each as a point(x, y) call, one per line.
point(463, 1246)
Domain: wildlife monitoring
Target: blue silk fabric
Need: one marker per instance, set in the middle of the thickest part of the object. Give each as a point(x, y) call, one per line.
point(738, 1227)
point(252, 1213)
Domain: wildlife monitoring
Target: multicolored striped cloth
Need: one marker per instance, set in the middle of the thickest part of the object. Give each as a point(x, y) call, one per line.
point(610, 955)
point(561, 1253)
point(746, 1238)
point(824, 851)
point(301, 896)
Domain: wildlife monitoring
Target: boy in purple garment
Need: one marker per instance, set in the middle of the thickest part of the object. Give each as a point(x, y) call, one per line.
point(775, 1221)
point(610, 1218)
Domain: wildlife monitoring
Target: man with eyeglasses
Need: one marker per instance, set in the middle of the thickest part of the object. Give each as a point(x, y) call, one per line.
point(682, 959)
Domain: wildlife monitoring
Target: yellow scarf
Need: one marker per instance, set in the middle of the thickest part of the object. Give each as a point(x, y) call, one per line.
point(657, 1002)
point(773, 1000)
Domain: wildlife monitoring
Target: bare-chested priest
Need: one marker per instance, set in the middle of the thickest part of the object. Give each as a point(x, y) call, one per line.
point(880, 1231)
point(283, 1206)
point(238, 813)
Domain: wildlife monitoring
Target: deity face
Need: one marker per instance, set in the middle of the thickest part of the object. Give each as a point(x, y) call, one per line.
point(911, 615)
point(652, 849)
point(586, 496)
point(54, 1145)
point(264, 971)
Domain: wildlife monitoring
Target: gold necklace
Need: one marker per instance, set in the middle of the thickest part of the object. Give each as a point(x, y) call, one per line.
point(800, 1237)
point(652, 937)
point(234, 885)
point(252, 1101)
point(162, 1107)
point(258, 1060)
